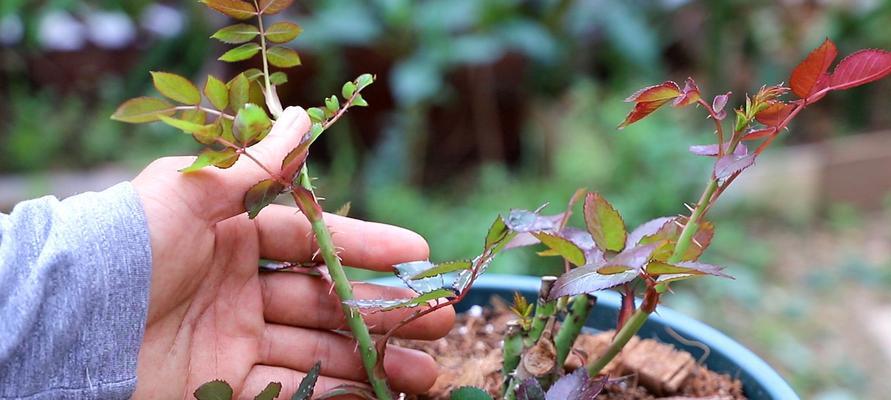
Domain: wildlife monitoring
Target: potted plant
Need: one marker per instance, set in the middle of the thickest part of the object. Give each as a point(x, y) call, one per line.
point(537, 347)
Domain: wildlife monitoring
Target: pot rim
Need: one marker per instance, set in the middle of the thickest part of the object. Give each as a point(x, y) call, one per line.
point(748, 362)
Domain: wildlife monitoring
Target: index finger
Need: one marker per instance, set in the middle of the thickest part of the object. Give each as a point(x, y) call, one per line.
point(286, 235)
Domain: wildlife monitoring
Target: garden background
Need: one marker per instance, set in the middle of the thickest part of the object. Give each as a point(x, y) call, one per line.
point(485, 105)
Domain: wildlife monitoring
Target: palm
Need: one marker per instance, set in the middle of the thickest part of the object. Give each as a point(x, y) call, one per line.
point(213, 316)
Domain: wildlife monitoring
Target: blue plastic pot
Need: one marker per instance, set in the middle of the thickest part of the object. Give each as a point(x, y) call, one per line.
point(760, 381)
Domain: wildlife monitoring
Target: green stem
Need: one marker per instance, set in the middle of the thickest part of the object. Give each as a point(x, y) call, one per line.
point(512, 350)
point(625, 334)
point(345, 292)
point(544, 310)
point(578, 313)
point(263, 49)
point(686, 237)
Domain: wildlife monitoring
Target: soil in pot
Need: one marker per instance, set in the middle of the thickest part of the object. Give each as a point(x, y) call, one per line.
point(470, 355)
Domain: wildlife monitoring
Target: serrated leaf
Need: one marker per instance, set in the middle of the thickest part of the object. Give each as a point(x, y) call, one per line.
point(648, 228)
point(860, 68)
point(387, 305)
point(261, 195)
point(185, 126)
point(805, 76)
point(731, 164)
point(469, 393)
point(408, 270)
point(236, 34)
point(604, 223)
point(444, 268)
point(497, 232)
point(234, 8)
point(562, 247)
point(292, 163)
point(649, 99)
point(282, 57)
point(588, 279)
point(143, 109)
point(756, 134)
point(347, 90)
point(690, 94)
point(251, 124)
point(239, 92)
point(176, 88)
point(308, 383)
point(220, 159)
point(685, 267)
point(633, 259)
point(216, 91)
point(278, 78)
point(241, 53)
point(214, 390)
point(774, 114)
point(283, 32)
point(269, 7)
point(272, 390)
point(226, 127)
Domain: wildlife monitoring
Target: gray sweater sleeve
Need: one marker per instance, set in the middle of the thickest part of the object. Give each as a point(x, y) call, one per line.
point(74, 282)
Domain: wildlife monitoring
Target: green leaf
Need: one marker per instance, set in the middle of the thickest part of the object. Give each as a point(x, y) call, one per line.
point(308, 384)
point(282, 32)
point(387, 305)
point(497, 232)
point(563, 247)
point(359, 101)
point(444, 268)
point(143, 109)
point(176, 88)
point(604, 223)
point(208, 134)
point(215, 91)
point(261, 195)
point(234, 8)
point(332, 104)
point(226, 126)
point(239, 92)
point(316, 114)
point(214, 390)
point(185, 126)
point(364, 80)
point(270, 7)
point(347, 90)
point(241, 53)
point(278, 78)
point(315, 131)
point(236, 34)
point(220, 159)
point(469, 393)
point(282, 57)
point(251, 124)
point(271, 392)
point(253, 74)
point(196, 116)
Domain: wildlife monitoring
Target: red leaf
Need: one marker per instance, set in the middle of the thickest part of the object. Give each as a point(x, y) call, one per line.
point(731, 164)
point(690, 94)
point(711, 150)
point(664, 91)
point(860, 68)
point(719, 102)
point(774, 114)
point(756, 134)
point(641, 110)
point(806, 75)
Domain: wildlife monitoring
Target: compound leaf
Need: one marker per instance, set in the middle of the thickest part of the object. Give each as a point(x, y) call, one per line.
point(143, 109)
point(176, 88)
point(251, 124)
point(261, 195)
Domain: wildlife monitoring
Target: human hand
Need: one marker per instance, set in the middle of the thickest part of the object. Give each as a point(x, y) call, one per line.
point(212, 315)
